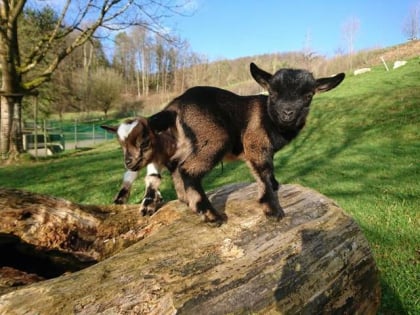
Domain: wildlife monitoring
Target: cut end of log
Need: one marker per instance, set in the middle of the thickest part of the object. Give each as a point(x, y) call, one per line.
point(315, 260)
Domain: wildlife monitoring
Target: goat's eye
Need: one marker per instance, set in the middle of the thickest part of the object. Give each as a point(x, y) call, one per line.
point(273, 98)
point(308, 96)
point(145, 144)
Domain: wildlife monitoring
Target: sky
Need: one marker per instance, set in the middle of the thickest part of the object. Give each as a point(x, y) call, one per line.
point(229, 29)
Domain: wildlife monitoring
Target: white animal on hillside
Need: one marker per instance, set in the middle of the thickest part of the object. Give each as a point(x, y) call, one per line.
point(399, 63)
point(361, 70)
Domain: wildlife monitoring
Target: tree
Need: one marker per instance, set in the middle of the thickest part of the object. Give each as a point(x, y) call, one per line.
point(106, 88)
point(411, 27)
point(148, 61)
point(308, 53)
point(124, 58)
point(143, 53)
point(350, 29)
point(74, 24)
point(71, 79)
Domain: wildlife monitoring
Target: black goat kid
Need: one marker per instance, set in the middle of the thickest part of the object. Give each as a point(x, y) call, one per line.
point(210, 124)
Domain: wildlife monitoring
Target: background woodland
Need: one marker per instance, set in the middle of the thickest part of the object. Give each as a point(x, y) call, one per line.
point(147, 69)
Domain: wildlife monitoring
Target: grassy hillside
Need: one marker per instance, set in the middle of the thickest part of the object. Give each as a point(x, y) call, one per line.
point(361, 147)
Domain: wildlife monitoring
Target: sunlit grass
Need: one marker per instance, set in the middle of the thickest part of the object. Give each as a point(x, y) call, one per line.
point(361, 147)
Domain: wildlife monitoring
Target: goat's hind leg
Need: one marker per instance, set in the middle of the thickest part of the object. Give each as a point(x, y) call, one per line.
point(179, 185)
point(198, 201)
point(195, 164)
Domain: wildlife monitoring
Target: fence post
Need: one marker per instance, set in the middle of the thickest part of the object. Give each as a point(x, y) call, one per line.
point(45, 138)
point(93, 133)
point(385, 65)
point(75, 133)
point(36, 127)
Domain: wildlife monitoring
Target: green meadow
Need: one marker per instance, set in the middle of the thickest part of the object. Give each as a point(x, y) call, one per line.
point(361, 147)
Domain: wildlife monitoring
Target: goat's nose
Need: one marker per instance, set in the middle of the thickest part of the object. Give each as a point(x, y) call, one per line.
point(288, 114)
point(128, 160)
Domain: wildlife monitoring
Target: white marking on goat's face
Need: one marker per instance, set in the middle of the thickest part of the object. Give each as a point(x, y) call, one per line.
point(125, 128)
point(136, 141)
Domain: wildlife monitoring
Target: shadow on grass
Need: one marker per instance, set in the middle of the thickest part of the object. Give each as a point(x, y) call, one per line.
point(390, 302)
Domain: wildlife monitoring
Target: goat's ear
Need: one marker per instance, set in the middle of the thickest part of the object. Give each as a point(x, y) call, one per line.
point(326, 84)
point(111, 129)
point(260, 76)
point(162, 121)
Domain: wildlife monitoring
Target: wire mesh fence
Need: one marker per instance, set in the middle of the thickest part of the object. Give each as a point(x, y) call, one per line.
point(49, 136)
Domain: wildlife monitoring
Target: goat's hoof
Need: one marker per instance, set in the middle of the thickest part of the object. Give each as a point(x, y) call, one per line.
point(119, 201)
point(214, 219)
point(149, 206)
point(122, 197)
point(147, 211)
point(276, 215)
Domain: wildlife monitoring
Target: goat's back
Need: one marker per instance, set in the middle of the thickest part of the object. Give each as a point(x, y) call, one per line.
point(222, 107)
point(212, 119)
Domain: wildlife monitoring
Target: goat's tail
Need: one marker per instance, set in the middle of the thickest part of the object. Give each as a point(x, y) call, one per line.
point(162, 120)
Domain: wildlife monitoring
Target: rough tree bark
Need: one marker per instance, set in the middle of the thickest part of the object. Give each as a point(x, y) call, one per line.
point(314, 261)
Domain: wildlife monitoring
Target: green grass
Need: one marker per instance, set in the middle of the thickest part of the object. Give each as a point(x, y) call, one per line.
point(361, 147)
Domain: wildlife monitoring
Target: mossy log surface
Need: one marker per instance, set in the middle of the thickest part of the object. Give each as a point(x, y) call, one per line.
point(314, 261)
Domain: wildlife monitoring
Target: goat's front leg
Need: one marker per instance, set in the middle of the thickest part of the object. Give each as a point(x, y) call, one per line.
point(274, 183)
point(152, 198)
point(267, 186)
point(124, 193)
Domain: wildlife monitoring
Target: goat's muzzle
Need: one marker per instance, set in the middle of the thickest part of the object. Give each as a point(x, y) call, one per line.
point(287, 116)
point(133, 164)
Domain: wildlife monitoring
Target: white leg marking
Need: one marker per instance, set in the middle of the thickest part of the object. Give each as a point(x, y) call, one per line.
point(152, 178)
point(153, 169)
point(130, 177)
point(152, 196)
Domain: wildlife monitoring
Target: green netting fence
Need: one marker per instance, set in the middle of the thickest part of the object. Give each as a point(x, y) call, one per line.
point(57, 136)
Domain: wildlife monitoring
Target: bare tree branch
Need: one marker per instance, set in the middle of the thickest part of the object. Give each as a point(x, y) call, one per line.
point(110, 15)
point(15, 10)
point(411, 27)
point(46, 42)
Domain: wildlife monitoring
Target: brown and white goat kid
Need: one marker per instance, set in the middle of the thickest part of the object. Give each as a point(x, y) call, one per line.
point(154, 150)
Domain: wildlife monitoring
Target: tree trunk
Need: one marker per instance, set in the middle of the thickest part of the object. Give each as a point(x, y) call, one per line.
point(11, 87)
point(5, 126)
point(314, 261)
point(16, 132)
point(11, 126)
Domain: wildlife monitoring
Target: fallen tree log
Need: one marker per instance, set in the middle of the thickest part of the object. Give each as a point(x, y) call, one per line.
point(314, 261)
